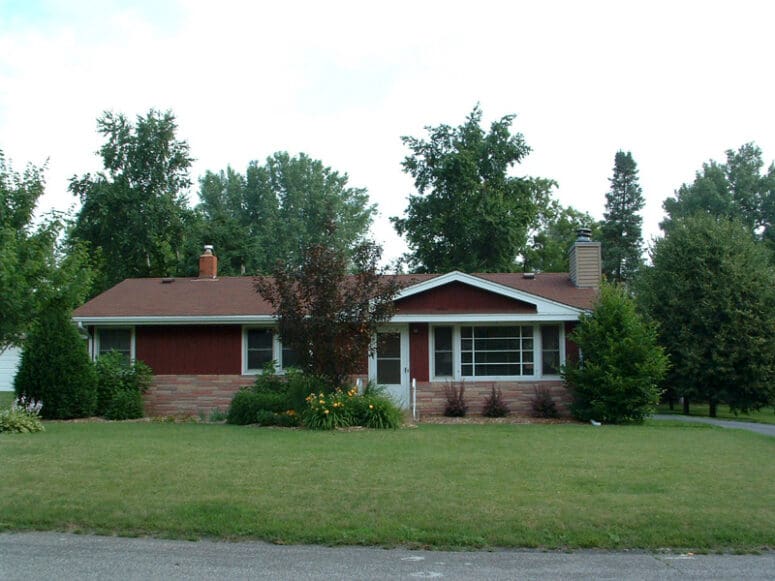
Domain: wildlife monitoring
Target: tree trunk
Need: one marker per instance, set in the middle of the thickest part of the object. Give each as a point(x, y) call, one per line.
point(712, 408)
point(686, 405)
point(671, 402)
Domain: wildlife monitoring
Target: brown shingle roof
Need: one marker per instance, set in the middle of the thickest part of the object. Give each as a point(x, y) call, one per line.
point(236, 296)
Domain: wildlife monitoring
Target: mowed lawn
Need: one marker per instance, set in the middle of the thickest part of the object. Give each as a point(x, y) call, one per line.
point(762, 416)
point(553, 486)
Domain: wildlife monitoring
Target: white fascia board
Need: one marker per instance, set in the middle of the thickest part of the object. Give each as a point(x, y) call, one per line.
point(485, 318)
point(177, 320)
point(543, 305)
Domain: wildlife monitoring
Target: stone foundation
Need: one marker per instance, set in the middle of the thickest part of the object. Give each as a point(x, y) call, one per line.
point(517, 395)
point(191, 395)
point(199, 394)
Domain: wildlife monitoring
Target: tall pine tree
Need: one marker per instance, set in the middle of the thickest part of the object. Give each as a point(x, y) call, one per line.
point(622, 239)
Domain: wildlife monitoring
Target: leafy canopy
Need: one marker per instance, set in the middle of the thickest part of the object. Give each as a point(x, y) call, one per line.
point(740, 188)
point(134, 215)
point(618, 378)
point(468, 213)
point(276, 210)
point(35, 267)
point(712, 291)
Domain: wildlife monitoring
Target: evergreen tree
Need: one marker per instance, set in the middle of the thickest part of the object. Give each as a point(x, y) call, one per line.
point(621, 236)
point(55, 367)
point(618, 378)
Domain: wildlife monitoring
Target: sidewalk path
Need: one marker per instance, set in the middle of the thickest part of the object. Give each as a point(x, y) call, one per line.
point(30, 556)
point(766, 429)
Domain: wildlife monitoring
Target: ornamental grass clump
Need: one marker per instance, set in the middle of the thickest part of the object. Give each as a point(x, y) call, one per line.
point(22, 417)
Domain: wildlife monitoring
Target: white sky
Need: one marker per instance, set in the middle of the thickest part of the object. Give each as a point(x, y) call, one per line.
point(677, 83)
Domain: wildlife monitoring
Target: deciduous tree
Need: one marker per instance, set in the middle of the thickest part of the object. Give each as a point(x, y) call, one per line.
point(712, 291)
point(468, 213)
point(278, 209)
point(326, 316)
point(548, 246)
point(134, 215)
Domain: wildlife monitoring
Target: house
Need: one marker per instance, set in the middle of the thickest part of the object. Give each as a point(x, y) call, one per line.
point(205, 337)
point(9, 364)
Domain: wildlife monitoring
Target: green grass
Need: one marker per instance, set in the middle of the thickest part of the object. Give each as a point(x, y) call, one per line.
point(6, 399)
point(763, 416)
point(663, 484)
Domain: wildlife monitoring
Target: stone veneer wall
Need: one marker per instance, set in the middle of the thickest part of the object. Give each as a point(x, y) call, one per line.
point(191, 394)
point(517, 395)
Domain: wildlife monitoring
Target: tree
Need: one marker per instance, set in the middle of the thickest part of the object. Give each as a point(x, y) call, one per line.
point(469, 214)
point(55, 367)
point(134, 216)
point(621, 236)
point(711, 291)
point(278, 209)
point(326, 316)
point(739, 189)
point(618, 378)
point(34, 266)
point(547, 249)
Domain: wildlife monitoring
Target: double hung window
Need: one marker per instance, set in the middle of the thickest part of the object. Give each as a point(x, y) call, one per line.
point(262, 345)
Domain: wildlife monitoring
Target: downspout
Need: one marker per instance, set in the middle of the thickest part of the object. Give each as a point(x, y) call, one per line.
point(414, 399)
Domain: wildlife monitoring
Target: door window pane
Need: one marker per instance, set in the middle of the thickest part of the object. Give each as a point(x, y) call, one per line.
point(389, 358)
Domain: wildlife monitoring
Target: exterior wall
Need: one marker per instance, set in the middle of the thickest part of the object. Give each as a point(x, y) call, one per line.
point(9, 363)
point(190, 349)
point(191, 394)
point(571, 349)
point(517, 395)
point(457, 297)
point(419, 357)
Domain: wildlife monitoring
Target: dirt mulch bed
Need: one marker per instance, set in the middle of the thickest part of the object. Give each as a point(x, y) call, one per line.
point(484, 420)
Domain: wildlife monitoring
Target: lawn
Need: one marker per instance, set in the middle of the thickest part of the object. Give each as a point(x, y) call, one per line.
point(763, 416)
point(553, 486)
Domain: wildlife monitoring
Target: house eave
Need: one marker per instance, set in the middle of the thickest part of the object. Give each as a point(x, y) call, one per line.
point(176, 320)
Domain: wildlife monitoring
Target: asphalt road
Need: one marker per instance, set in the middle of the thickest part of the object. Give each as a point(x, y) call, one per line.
point(29, 556)
point(766, 429)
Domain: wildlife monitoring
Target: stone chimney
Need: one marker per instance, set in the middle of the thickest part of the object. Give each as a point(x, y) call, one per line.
point(585, 261)
point(208, 263)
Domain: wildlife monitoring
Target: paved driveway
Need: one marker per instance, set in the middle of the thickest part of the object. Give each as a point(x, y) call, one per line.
point(766, 429)
point(28, 556)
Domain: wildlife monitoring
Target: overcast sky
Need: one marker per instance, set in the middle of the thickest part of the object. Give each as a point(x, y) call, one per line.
point(677, 83)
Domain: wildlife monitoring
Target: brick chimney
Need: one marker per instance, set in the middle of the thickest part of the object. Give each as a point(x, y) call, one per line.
point(585, 261)
point(208, 263)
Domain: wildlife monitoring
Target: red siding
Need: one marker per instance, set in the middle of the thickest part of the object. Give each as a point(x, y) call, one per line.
point(418, 352)
point(191, 349)
point(457, 297)
point(571, 349)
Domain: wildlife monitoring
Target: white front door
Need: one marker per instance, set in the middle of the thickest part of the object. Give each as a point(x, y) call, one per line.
point(389, 364)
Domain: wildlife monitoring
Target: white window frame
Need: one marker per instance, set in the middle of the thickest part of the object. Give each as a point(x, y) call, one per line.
point(277, 350)
point(96, 345)
point(457, 374)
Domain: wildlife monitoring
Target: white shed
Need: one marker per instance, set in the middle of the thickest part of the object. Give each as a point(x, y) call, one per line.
point(9, 363)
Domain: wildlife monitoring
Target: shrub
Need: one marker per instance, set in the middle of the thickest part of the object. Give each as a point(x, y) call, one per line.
point(55, 368)
point(286, 419)
point(21, 417)
point(125, 405)
point(299, 386)
point(622, 365)
point(269, 381)
point(542, 404)
point(217, 415)
point(456, 406)
point(247, 403)
point(494, 406)
point(120, 379)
